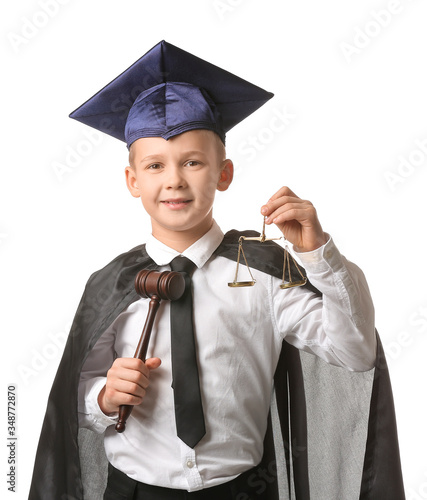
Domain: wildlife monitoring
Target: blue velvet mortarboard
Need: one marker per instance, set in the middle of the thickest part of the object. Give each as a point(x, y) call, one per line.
point(169, 91)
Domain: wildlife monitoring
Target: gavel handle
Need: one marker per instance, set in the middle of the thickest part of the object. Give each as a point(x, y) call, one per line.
point(141, 353)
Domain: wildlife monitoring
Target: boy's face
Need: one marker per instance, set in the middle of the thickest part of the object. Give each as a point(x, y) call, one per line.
point(176, 180)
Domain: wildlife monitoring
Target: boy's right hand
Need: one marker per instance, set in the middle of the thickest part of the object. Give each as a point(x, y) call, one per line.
point(127, 381)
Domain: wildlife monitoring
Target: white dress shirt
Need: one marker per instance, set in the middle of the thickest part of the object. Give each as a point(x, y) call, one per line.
point(239, 334)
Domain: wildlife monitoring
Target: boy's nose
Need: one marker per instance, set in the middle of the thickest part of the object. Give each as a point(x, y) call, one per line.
point(175, 178)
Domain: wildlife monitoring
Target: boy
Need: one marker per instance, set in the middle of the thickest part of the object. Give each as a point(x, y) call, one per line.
point(216, 444)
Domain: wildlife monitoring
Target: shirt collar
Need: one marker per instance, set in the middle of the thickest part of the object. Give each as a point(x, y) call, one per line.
point(199, 252)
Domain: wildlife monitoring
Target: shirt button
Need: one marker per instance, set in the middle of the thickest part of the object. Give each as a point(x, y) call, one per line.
point(190, 464)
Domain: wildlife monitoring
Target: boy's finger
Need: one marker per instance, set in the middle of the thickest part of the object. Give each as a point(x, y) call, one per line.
point(153, 363)
point(274, 205)
point(283, 191)
point(128, 387)
point(131, 364)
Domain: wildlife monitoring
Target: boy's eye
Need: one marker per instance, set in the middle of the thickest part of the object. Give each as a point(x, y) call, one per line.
point(192, 163)
point(154, 166)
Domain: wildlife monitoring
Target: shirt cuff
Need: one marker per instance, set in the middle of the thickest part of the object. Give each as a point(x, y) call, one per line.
point(322, 259)
point(100, 421)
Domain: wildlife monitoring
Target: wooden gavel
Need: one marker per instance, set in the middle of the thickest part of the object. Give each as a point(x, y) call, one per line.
point(166, 285)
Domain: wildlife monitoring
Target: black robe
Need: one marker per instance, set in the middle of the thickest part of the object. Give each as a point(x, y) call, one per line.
point(331, 433)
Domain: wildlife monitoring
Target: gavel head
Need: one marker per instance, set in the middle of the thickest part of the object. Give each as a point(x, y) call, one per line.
point(167, 285)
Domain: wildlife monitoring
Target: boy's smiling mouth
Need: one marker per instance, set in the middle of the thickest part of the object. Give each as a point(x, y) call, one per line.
point(176, 203)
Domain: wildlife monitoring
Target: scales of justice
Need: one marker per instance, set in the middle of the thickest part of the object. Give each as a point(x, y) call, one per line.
point(289, 283)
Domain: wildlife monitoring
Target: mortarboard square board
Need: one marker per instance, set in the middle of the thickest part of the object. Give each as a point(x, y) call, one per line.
point(169, 91)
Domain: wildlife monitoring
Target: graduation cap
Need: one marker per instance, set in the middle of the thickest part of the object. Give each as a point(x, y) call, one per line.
point(169, 91)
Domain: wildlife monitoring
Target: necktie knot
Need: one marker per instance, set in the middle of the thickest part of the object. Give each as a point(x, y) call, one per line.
point(183, 265)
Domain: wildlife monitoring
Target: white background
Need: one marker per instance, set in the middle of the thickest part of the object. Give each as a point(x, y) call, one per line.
point(356, 105)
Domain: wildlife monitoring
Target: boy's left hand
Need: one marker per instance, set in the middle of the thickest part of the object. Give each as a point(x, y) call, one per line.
point(296, 218)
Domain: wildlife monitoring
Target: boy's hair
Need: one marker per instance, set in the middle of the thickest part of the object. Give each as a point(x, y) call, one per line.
point(220, 148)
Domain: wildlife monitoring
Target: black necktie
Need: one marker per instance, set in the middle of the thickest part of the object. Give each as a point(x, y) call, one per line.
point(190, 422)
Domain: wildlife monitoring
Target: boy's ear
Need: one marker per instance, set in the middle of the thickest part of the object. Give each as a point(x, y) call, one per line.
point(132, 182)
point(226, 176)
